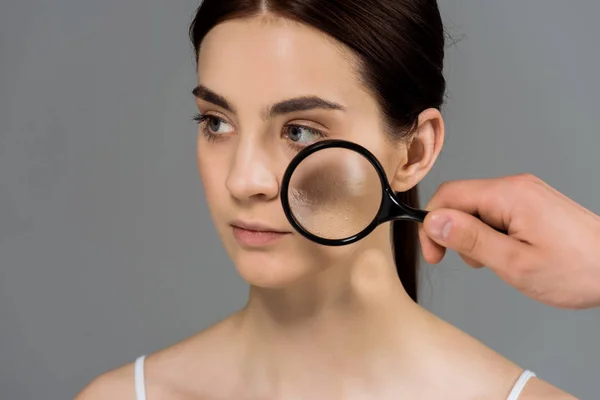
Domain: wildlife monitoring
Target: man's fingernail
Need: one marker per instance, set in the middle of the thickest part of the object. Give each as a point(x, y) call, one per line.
point(440, 227)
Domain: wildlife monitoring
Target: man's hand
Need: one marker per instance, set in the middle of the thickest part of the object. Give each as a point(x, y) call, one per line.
point(551, 251)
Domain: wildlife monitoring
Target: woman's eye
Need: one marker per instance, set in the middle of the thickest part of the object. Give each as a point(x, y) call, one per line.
point(217, 125)
point(302, 134)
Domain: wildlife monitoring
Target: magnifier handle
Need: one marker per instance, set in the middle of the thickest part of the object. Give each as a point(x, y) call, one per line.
point(414, 214)
point(418, 215)
point(394, 209)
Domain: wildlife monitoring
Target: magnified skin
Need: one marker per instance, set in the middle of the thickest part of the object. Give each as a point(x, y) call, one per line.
point(335, 193)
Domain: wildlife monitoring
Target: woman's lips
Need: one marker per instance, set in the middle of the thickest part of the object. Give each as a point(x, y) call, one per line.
point(252, 234)
point(256, 238)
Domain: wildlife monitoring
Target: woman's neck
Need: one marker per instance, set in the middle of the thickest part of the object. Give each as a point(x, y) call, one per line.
point(352, 320)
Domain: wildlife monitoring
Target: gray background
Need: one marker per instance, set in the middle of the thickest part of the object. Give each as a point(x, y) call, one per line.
point(107, 250)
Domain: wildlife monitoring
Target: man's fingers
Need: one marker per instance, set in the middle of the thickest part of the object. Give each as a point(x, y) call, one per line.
point(472, 238)
point(465, 195)
point(492, 199)
point(433, 253)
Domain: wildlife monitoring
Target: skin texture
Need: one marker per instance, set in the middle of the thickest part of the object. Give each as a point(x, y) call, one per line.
point(322, 323)
point(551, 249)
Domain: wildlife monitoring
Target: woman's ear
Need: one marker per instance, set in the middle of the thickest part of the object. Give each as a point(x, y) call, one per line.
point(419, 151)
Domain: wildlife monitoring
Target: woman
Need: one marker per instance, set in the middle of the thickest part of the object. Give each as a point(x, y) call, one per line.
point(321, 322)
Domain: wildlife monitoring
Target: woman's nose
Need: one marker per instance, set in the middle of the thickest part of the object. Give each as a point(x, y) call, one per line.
point(251, 175)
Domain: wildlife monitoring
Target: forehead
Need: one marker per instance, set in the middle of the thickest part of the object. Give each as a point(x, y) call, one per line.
point(273, 59)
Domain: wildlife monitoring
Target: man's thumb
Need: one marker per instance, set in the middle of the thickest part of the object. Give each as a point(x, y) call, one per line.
point(470, 237)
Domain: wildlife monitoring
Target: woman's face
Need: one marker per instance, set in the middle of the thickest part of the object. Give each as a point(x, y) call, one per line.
point(266, 89)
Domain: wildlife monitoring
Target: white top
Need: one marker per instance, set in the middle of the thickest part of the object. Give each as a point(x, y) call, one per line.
point(140, 385)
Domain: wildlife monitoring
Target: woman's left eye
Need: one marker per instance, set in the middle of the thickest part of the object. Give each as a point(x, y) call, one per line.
point(302, 135)
point(217, 125)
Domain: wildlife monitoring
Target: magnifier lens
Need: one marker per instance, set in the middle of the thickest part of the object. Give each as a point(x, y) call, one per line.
point(335, 193)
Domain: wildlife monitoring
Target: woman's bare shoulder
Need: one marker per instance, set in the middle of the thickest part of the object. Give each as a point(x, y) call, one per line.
point(183, 370)
point(539, 389)
point(117, 384)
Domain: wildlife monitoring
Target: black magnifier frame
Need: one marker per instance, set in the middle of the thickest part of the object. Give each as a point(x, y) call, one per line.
point(390, 208)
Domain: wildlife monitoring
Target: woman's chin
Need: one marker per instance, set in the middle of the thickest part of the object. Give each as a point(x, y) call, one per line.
point(268, 270)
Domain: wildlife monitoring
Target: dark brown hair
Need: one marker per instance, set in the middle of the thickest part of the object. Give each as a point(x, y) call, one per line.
point(399, 45)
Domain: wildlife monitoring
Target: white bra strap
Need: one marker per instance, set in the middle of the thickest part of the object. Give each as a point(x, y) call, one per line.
point(140, 384)
point(520, 384)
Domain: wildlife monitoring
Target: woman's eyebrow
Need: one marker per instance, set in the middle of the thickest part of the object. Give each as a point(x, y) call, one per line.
point(303, 103)
point(204, 93)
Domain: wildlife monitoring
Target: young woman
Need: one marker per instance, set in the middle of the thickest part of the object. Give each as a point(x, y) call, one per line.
point(321, 322)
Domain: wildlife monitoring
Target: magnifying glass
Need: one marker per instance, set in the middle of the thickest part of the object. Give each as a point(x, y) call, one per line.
point(335, 192)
